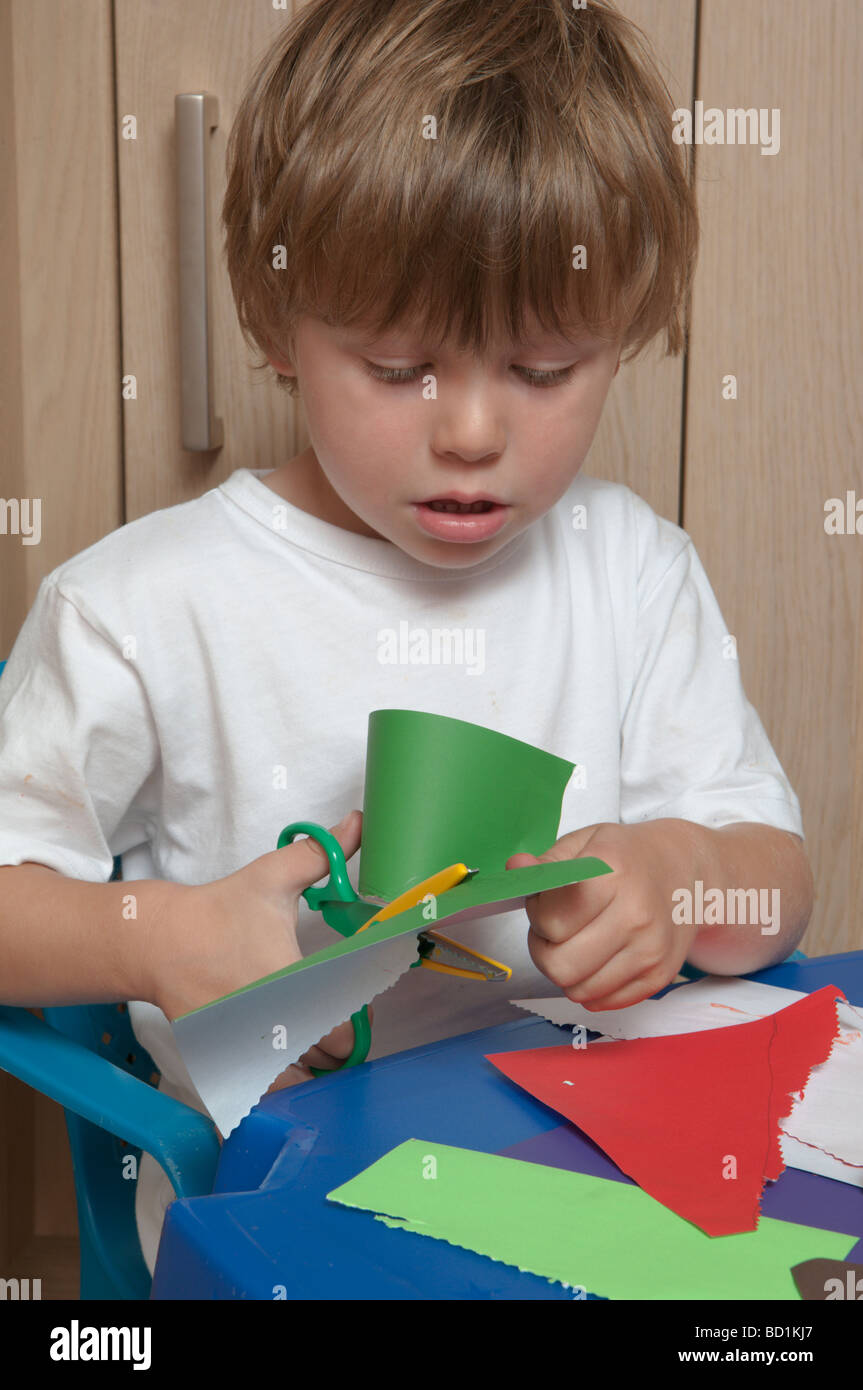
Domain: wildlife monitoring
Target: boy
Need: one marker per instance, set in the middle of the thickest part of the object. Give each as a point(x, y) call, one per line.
point(410, 182)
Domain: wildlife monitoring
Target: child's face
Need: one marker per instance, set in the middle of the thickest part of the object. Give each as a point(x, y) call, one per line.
point(385, 449)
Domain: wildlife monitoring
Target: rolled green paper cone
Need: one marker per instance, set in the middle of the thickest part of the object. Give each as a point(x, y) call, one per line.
point(443, 791)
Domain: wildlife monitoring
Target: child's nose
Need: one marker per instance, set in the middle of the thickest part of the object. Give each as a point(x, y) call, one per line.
point(469, 430)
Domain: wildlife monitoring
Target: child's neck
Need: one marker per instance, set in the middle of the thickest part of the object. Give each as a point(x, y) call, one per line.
point(303, 483)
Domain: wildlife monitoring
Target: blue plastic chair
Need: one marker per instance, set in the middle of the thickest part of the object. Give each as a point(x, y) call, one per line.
point(87, 1058)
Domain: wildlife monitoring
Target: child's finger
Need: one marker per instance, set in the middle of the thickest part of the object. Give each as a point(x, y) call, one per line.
point(562, 913)
point(291, 1076)
point(304, 861)
point(340, 1042)
point(333, 1050)
point(625, 978)
point(581, 956)
point(318, 1057)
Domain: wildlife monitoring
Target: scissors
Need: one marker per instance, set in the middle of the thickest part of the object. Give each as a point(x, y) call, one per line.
point(344, 910)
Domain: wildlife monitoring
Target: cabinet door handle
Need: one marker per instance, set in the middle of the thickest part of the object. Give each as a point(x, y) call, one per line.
point(195, 115)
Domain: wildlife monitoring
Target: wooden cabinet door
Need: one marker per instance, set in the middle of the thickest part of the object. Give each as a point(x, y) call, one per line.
point(163, 49)
point(88, 296)
point(776, 306)
point(640, 437)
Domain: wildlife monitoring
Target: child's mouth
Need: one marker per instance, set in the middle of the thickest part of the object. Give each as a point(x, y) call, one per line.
point(450, 520)
point(448, 505)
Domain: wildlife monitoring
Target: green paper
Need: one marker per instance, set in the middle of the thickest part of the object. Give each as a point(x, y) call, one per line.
point(606, 1237)
point(444, 791)
point(228, 1045)
point(472, 893)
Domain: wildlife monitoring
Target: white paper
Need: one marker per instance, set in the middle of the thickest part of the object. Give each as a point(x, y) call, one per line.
point(229, 1047)
point(232, 1068)
point(824, 1131)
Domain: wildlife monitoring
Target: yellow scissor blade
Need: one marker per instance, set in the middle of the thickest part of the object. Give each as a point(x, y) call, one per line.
point(439, 882)
point(451, 958)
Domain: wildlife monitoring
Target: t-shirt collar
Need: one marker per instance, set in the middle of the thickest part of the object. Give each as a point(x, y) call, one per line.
point(282, 519)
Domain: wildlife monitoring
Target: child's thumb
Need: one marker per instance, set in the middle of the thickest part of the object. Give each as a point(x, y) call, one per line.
point(309, 860)
point(522, 861)
point(347, 827)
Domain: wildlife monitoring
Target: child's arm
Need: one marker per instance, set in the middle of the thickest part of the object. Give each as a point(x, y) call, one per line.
point(614, 940)
point(749, 855)
point(63, 941)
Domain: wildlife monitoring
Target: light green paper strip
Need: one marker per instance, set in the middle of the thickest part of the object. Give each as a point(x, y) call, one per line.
point(607, 1237)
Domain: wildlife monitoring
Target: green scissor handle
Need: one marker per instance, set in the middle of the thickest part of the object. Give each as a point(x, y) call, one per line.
point(339, 886)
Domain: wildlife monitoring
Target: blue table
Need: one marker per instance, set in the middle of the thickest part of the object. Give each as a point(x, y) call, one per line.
point(267, 1230)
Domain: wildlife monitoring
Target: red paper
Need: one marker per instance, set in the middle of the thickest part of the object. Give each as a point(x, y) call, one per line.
point(673, 1112)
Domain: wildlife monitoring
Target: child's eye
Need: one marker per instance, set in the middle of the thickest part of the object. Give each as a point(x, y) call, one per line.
point(392, 373)
point(530, 374)
point(556, 378)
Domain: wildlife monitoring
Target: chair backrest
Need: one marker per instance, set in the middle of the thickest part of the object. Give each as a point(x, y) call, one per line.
point(111, 1262)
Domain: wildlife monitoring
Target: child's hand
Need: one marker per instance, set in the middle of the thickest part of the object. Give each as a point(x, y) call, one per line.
point(610, 941)
point(216, 937)
point(331, 1052)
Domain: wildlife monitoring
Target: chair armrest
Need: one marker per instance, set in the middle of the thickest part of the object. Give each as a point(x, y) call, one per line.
point(181, 1139)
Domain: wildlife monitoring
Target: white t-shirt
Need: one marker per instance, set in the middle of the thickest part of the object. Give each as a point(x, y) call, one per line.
point(197, 679)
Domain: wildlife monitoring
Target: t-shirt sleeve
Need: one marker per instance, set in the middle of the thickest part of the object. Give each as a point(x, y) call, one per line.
point(77, 744)
point(692, 746)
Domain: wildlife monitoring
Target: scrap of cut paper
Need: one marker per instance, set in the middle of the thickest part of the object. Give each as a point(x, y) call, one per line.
point(692, 1118)
point(672, 1109)
point(588, 1233)
point(823, 1131)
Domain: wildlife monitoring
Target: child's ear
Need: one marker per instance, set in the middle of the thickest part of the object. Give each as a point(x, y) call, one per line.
point(284, 367)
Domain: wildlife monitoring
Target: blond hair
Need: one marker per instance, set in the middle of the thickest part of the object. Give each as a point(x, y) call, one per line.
point(553, 130)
